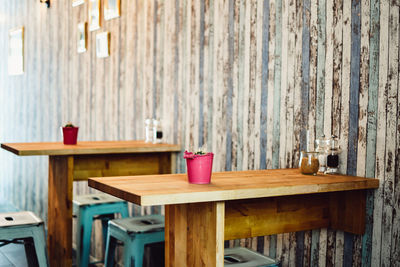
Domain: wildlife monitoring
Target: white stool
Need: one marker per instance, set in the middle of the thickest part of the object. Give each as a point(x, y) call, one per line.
point(18, 226)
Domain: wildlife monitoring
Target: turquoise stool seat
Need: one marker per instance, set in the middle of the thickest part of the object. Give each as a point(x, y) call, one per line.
point(87, 208)
point(244, 257)
point(24, 226)
point(135, 233)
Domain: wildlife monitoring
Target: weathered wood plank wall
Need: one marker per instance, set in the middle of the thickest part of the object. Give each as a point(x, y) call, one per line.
point(244, 78)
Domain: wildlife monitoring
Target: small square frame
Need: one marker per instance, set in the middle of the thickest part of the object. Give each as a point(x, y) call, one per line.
point(103, 44)
point(112, 9)
point(77, 2)
point(16, 51)
point(82, 37)
point(94, 14)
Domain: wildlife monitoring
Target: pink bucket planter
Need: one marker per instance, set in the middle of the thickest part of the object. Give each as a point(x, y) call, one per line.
point(199, 167)
point(70, 135)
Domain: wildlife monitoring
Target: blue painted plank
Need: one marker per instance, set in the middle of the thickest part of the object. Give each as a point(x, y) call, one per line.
point(264, 86)
point(277, 103)
point(176, 71)
point(240, 97)
point(229, 104)
point(277, 86)
point(210, 75)
point(371, 129)
point(155, 74)
point(305, 79)
point(353, 112)
point(201, 76)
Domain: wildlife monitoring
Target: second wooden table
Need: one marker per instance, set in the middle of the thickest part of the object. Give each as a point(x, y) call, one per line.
point(68, 163)
point(198, 218)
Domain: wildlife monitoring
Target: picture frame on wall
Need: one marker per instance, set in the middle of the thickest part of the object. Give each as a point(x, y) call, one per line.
point(82, 37)
point(94, 15)
point(103, 44)
point(112, 9)
point(16, 51)
point(77, 2)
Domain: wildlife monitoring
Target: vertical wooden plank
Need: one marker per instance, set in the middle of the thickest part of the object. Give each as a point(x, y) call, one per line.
point(158, 79)
point(371, 127)
point(319, 105)
point(229, 84)
point(210, 104)
point(169, 67)
point(270, 242)
point(59, 240)
point(193, 92)
point(271, 80)
point(258, 82)
point(284, 84)
point(241, 87)
point(181, 77)
point(381, 131)
point(276, 105)
point(264, 85)
point(149, 58)
point(235, 85)
point(202, 44)
point(363, 103)
point(307, 69)
point(186, 234)
point(292, 64)
point(277, 86)
point(246, 84)
point(395, 253)
point(128, 31)
point(390, 152)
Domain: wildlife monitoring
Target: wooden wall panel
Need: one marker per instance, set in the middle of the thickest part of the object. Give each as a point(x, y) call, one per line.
point(246, 79)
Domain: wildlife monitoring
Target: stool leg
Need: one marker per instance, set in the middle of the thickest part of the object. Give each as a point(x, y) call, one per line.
point(104, 226)
point(84, 232)
point(137, 249)
point(129, 254)
point(31, 257)
point(111, 243)
point(124, 210)
point(40, 246)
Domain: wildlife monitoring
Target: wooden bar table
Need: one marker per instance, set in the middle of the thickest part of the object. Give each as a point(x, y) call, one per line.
point(68, 163)
point(198, 218)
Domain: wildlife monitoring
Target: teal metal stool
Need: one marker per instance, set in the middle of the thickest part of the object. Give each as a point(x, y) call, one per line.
point(135, 233)
point(90, 207)
point(22, 227)
point(244, 257)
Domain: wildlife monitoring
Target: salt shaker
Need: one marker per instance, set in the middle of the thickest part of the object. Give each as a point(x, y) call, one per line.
point(321, 144)
point(148, 131)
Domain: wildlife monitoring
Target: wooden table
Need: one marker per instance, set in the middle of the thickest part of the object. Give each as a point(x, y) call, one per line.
point(198, 218)
point(68, 163)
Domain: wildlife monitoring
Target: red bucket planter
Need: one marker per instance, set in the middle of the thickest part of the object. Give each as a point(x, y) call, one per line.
point(70, 135)
point(199, 167)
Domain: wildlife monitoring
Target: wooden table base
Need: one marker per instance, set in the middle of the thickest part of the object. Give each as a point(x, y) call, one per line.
point(63, 170)
point(195, 233)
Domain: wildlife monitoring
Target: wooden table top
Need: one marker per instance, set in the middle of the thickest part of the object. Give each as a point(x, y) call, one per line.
point(87, 147)
point(175, 189)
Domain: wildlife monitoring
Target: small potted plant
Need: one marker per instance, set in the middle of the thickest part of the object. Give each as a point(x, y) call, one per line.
point(199, 166)
point(70, 134)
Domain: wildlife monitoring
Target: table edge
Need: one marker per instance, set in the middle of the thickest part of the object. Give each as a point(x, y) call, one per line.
point(213, 196)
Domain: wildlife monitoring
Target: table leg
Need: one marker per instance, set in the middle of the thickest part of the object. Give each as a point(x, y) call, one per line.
point(194, 234)
point(59, 225)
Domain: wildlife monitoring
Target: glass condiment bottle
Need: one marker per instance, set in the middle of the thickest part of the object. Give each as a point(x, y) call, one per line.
point(332, 158)
point(322, 145)
point(309, 162)
point(148, 131)
point(157, 132)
